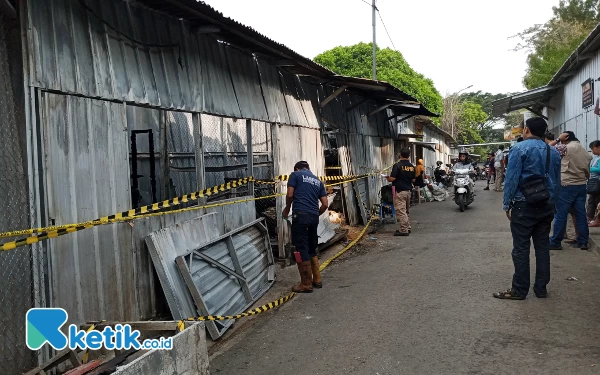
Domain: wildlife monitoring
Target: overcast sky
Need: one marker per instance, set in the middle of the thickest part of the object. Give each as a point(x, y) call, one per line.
point(456, 43)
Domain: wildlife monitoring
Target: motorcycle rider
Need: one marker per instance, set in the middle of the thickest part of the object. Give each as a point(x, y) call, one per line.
point(439, 172)
point(464, 163)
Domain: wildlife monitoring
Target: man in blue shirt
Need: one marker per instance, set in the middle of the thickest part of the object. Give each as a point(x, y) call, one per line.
point(304, 191)
point(530, 222)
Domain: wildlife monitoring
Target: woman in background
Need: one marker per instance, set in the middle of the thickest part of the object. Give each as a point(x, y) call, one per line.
point(419, 180)
point(594, 199)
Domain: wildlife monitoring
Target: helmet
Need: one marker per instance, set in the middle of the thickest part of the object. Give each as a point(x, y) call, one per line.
point(439, 163)
point(463, 151)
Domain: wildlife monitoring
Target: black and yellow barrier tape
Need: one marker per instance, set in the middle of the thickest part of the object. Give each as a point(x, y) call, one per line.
point(282, 300)
point(256, 311)
point(134, 213)
point(61, 232)
point(41, 234)
point(155, 207)
point(285, 177)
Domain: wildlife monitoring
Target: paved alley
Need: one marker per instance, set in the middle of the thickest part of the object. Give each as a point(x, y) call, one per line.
point(423, 305)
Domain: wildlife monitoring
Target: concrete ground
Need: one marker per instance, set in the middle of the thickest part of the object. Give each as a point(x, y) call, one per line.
point(423, 305)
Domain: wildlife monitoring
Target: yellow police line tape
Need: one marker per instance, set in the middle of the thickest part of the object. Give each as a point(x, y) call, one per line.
point(130, 214)
point(141, 211)
point(51, 232)
point(282, 300)
point(71, 229)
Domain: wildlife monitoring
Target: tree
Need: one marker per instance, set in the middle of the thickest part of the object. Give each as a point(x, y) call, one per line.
point(549, 45)
point(356, 61)
point(463, 119)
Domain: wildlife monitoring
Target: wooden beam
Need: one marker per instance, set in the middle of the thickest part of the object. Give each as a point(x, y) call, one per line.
point(379, 109)
point(353, 106)
point(332, 96)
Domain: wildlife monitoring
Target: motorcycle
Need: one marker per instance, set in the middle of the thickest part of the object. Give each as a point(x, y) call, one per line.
point(442, 177)
point(463, 188)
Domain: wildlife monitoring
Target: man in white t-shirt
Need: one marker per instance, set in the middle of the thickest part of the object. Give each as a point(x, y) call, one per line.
point(499, 166)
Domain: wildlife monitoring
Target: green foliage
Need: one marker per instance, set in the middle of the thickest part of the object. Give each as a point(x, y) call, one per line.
point(549, 45)
point(356, 61)
point(470, 120)
point(484, 99)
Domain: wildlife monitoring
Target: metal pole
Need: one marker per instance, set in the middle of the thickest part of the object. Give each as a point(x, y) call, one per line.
point(374, 44)
point(250, 156)
point(199, 153)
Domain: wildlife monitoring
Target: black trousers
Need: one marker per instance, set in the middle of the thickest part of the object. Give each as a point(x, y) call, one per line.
point(531, 223)
point(304, 234)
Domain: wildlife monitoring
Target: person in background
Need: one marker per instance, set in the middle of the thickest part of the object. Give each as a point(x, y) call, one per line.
point(304, 192)
point(530, 221)
point(594, 199)
point(499, 167)
point(561, 148)
point(420, 179)
point(575, 170)
point(489, 164)
point(562, 151)
point(402, 178)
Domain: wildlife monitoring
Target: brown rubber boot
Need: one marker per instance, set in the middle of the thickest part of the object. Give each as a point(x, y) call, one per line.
point(305, 285)
point(316, 274)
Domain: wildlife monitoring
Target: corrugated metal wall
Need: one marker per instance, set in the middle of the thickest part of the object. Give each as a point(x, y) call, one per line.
point(74, 52)
point(568, 113)
point(87, 177)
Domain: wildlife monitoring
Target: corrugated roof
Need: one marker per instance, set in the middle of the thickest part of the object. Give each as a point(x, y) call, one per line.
point(539, 96)
point(235, 33)
point(578, 57)
point(245, 37)
point(528, 99)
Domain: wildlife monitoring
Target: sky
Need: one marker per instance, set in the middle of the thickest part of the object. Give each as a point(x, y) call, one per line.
point(455, 43)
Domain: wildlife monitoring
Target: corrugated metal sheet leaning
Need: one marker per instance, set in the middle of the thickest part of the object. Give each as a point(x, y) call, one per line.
point(203, 273)
point(284, 299)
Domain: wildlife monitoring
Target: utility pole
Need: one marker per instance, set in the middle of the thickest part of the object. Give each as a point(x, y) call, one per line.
point(374, 44)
